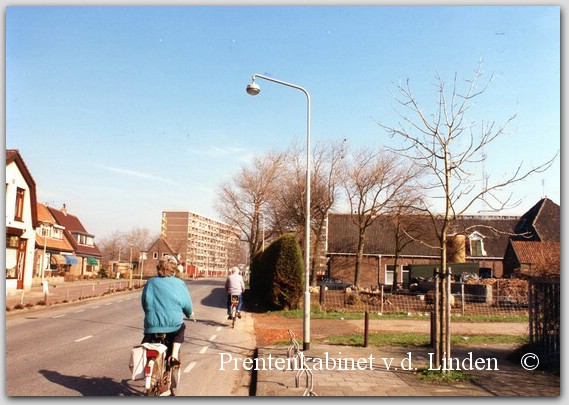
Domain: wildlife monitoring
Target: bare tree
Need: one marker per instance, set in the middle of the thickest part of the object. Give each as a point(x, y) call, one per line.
point(372, 180)
point(242, 201)
point(118, 245)
point(110, 246)
point(287, 207)
point(450, 148)
point(407, 226)
point(326, 179)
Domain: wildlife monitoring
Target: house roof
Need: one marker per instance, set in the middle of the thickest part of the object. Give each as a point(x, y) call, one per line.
point(44, 216)
point(13, 156)
point(165, 242)
point(380, 239)
point(537, 253)
point(73, 225)
point(542, 223)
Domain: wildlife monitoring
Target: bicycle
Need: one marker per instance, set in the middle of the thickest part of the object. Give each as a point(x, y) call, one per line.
point(160, 377)
point(234, 304)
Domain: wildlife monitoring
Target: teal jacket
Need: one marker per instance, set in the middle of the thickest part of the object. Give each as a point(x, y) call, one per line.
point(165, 300)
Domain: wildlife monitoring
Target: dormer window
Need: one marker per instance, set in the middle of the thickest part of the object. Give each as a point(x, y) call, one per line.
point(476, 245)
point(82, 239)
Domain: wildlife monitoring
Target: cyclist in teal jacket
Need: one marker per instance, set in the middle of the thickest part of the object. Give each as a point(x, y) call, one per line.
point(165, 300)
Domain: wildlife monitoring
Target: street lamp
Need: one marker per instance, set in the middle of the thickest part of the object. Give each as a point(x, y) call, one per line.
point(130, 285)
point(253, 89)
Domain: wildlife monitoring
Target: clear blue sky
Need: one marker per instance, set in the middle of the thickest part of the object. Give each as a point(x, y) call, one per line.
point(124, 112)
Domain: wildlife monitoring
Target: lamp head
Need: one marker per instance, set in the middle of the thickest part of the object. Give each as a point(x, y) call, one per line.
point(253, 89)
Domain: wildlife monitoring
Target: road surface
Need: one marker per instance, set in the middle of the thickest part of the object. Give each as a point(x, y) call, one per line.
point(83, 349)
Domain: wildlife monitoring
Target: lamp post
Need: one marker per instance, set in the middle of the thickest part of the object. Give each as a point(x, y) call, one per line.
point(130, 284)
point(142, 257)
point(254, 89)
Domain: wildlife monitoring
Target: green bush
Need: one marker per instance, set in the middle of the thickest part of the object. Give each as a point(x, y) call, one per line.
point(277, 274)
point(284, 266)
point(256, 279)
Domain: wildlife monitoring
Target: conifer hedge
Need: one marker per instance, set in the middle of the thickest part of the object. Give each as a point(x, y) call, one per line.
point(277, 274)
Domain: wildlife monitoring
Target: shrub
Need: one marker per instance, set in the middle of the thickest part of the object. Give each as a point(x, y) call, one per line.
point(286, 268)
point(256, 279)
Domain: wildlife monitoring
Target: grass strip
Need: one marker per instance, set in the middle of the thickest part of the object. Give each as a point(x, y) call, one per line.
point(418, 339)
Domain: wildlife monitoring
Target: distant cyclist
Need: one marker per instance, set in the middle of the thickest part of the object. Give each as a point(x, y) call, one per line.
point(165, 300)
point(234, 285)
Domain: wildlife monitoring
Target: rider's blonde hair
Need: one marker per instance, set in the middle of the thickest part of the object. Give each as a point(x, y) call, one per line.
point(166, 268)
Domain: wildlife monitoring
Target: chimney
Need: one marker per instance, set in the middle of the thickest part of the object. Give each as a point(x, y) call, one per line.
point(64, 209)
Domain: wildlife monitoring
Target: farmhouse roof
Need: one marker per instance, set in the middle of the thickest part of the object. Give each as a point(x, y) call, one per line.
point(537, 253)
point(540, 223)
point(380, 236)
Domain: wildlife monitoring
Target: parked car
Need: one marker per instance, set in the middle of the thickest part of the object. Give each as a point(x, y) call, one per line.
point(334, 283)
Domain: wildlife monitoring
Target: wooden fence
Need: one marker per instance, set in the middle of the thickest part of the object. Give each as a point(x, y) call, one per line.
point(544, 320)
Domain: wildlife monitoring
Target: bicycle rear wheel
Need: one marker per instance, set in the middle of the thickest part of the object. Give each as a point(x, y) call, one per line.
point(155, 380)
point(233, 315)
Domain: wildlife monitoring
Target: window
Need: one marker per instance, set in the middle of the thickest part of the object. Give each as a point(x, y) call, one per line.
point(476, 245)
point(402, 274)
point(155, 255)
point(19, 211)
point(389, 274)
point(83, 239)
point(12, 261)
point(57, 233)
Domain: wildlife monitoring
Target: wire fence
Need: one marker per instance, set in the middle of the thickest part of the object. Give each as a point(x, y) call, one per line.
point(490, 299)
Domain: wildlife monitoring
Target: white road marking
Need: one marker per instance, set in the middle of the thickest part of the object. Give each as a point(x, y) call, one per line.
point(110, 303)
point(84, 338)
point(95, 307)
point(190, 366)
point(59, 316)
point(218, 329)
point(212, 337)
point(204, 349)
point(81, 310)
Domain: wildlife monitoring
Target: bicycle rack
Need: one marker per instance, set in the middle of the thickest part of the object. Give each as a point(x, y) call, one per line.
point(294, 352)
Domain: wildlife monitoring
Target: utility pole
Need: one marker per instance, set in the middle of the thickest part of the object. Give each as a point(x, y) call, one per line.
point(130, 270)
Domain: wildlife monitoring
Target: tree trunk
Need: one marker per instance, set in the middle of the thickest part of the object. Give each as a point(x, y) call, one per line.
point(359, 258)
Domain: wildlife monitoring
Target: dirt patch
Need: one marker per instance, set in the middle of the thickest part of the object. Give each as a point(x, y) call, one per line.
point(271, 328)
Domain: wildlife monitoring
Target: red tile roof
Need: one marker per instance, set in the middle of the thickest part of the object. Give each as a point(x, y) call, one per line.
point(73, 225)
point(56, 244)
point(536, 253)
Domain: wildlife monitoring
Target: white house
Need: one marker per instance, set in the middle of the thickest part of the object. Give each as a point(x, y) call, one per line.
point(21, 221)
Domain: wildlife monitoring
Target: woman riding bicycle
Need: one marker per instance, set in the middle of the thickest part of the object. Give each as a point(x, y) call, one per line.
point(165, 300)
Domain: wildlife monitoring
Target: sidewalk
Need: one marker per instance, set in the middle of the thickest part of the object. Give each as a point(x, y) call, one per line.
point(336, 373)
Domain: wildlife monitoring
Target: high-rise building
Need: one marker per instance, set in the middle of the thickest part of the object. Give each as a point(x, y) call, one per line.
point(207, 246)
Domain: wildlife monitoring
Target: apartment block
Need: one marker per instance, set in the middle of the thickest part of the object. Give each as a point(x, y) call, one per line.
point(207, 247)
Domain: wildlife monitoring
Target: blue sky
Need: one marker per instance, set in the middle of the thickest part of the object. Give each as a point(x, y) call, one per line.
point(124, 112)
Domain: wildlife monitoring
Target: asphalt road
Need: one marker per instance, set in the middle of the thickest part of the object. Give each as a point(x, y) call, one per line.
point(84, 349)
